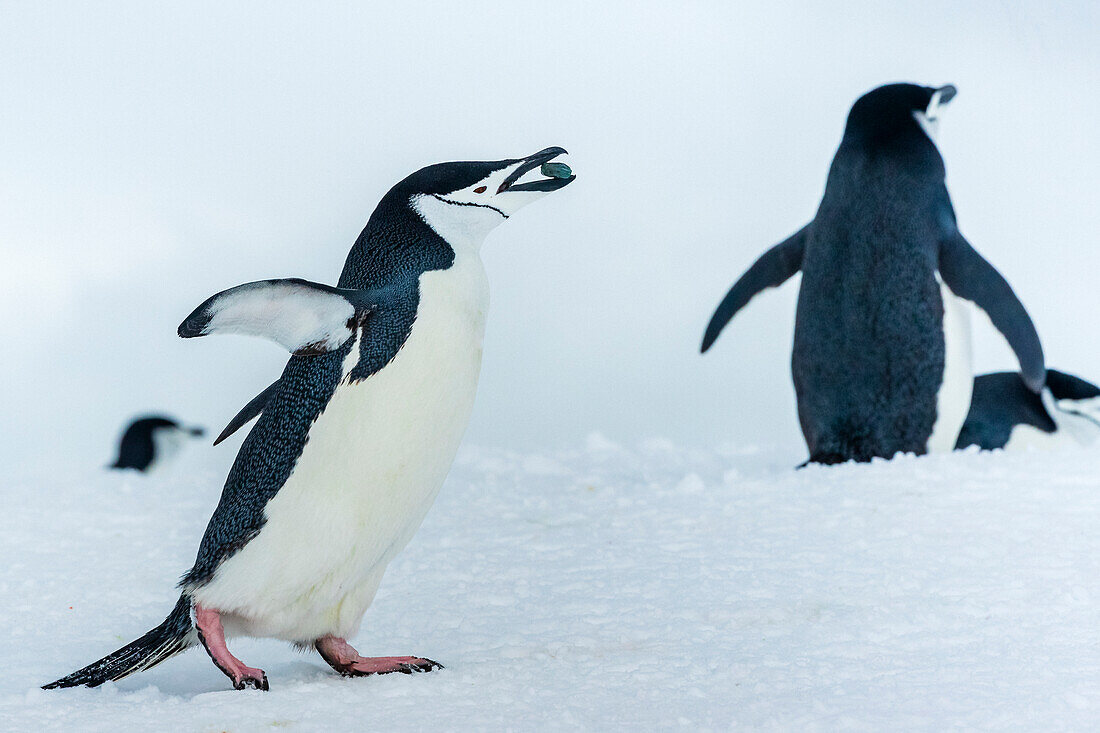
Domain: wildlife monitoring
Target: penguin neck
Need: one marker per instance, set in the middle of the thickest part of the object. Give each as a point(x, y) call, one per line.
point(464, 226)
point(860, 173)
point(905, 146)
point(396, 245)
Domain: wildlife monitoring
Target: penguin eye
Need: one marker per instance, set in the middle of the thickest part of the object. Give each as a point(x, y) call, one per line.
point(479, 189)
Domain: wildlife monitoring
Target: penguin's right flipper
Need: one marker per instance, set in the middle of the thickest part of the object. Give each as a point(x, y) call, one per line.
point(255, 406)
point(305, 317)
point(773, 268)
point(971, 277)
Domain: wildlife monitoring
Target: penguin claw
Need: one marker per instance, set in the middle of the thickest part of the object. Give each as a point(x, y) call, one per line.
point(252, 682)
point(423, 665)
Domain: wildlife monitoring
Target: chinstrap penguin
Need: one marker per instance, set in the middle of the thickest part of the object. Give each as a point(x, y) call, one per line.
point(881, 358)
point(354, 440)
point(152, 442)
point(1004, 413)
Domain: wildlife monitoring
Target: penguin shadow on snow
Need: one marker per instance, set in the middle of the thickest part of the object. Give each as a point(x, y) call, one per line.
point(882, 356)
point(352, 443)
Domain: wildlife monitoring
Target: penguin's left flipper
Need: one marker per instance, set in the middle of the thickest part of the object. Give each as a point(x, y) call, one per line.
point(305, 317)
point(254, 407)
point(774, 268)
point(971, 277)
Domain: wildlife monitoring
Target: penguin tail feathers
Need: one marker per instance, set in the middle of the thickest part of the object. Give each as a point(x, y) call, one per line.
point(844, 448)
point(173, 636)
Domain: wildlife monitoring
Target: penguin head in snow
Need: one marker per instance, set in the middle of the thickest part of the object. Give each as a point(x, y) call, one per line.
point(898, 118)
point(152, 442)
point(466, 200)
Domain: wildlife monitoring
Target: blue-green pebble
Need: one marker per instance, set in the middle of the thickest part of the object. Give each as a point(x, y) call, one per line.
point(556, 170)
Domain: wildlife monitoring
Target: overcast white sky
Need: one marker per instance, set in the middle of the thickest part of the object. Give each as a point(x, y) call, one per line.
point(152, 155)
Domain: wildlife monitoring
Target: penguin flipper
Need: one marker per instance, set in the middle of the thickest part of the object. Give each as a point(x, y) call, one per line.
point(773, 268)
point(254, 407)
point(971, 277)
point(1066, 386)
point(305, 317)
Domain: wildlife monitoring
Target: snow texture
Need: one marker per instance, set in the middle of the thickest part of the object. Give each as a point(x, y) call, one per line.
point(610, 588)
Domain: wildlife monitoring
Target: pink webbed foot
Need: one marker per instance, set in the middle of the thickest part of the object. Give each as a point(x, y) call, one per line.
point(212, 636)
point(385, 665)
point(342, 657)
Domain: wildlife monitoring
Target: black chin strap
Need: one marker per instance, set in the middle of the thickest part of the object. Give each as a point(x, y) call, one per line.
point(461, 203)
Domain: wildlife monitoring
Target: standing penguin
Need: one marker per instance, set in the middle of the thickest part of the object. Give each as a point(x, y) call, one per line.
point(1004, 413)
point(152, 442)
point(881, 359)
point(354, 441)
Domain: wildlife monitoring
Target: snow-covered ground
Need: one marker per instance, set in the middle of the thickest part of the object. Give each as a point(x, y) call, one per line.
point(609, 587)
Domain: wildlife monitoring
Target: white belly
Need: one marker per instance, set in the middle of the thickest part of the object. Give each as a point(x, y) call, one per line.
point(373, 465)
point(1078, 419)
point(1029, 438)
point(1077, 422)
point(953, 399)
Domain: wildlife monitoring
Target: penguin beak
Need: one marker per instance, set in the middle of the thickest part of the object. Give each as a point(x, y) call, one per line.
point(531, 162)
point(940, 97)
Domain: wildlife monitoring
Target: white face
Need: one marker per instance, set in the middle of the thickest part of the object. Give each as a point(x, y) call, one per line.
point(167, 444)
point(464, 217)
point(929, 119)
